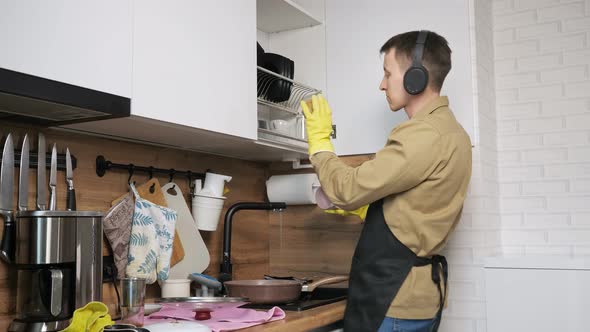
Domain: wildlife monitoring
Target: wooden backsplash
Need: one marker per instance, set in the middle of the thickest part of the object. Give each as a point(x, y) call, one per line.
point(306, 242)
point(300, 241)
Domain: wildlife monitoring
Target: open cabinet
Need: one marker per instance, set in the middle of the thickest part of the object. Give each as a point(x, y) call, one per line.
point(283, 72)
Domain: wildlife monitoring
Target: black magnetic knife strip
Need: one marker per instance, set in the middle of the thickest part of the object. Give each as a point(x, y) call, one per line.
point(61, 160)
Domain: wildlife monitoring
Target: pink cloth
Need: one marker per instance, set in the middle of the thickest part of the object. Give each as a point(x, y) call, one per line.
point(227, 317)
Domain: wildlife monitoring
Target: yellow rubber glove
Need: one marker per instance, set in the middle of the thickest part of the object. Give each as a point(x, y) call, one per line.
point(360, 212)
point(92, 317)
point(318, 123)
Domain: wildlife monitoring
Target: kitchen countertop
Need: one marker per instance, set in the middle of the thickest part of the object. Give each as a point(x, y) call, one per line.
point(304, 320)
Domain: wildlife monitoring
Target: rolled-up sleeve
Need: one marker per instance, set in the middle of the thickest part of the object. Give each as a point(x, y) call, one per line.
point(407, 159)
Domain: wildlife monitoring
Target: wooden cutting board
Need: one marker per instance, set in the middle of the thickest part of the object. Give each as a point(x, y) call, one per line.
point(157, 197)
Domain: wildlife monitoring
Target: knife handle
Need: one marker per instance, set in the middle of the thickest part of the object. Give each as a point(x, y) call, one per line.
point(71, 200)
point(7, 248)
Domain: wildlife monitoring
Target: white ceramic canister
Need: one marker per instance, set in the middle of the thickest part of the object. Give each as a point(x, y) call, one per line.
point(175, 287)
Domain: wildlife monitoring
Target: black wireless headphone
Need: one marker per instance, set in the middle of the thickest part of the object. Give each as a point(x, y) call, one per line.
point(416, 77)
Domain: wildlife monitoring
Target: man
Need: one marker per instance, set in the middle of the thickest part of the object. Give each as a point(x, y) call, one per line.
point(415, 185)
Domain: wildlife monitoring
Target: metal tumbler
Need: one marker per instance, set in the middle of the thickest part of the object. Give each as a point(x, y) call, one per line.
point(132, 300)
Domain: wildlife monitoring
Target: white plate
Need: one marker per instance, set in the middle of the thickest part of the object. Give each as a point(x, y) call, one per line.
point(150, 308)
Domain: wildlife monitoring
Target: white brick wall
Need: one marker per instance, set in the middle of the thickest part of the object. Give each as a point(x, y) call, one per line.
point(536, 220)
point(581, 121)
point(561, 12)
point(544, 187)
point(536, 30)
point(530, 192)
point(542, 58)
point(566, 105)
point(576, 57)
point(541, 124)
point(532, 4)
point(478, 235)
point(567, 139)
point(544, 155)
point(517, 110)
point(533, 63)
point(577, 89)
point(564, 75)
point(581, 219)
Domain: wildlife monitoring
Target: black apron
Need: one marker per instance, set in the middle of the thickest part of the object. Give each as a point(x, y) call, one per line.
point(380, 265)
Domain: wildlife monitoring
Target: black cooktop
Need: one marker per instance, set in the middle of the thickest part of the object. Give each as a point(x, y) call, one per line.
point(320, 296)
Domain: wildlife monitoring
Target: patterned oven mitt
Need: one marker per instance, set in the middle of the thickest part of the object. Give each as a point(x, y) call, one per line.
point(150, 243)
point(117, 229)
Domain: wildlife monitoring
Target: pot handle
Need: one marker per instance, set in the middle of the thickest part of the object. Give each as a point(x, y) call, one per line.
point(323, 281)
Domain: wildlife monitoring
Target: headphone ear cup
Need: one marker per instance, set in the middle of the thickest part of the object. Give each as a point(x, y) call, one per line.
point(415, 80)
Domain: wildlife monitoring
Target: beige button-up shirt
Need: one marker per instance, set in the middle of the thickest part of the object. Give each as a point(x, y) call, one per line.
point(422, 175)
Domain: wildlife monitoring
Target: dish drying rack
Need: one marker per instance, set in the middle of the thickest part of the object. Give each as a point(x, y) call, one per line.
point(299, 91)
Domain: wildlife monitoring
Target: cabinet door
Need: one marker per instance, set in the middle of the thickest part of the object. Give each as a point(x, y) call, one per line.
point(355, 31)
point(82, 43)
point(194, 64)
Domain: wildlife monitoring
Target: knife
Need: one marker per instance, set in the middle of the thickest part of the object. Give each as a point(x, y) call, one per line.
point(6, 191)
point(23, 178)
point(53, 179)
point(71, 193)
point(41, 175)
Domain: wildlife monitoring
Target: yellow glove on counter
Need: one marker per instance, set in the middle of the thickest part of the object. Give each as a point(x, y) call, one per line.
point(318, 123)
point(92, 317)
point(360, 212)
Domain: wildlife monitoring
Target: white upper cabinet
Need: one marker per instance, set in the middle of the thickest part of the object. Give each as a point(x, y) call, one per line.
point(194, 64)
point(355, 31)
point(283, 15)
point(83, 43)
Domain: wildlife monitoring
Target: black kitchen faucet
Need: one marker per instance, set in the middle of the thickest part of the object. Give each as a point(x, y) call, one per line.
point(225, 271)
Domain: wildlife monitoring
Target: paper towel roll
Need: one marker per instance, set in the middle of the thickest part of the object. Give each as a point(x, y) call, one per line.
point(295, 189)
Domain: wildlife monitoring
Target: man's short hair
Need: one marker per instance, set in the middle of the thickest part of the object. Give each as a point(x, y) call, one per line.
point(436, 57)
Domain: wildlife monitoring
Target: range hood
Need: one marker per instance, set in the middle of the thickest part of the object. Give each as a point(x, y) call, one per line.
point(36, 100)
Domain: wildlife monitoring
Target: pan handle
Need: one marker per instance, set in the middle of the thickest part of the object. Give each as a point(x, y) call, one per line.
point(323, 281)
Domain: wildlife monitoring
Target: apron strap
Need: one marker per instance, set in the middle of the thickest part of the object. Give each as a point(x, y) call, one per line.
point(439, 264)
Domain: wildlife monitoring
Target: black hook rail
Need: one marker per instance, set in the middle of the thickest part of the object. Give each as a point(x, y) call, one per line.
point(102, 165)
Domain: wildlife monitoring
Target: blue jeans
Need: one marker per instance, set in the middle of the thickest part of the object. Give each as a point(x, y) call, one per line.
point(391, 324)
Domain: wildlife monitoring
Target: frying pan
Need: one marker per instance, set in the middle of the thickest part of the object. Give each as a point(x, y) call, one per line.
point(275, 291)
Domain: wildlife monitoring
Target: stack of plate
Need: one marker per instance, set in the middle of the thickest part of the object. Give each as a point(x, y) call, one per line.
point(278, 90)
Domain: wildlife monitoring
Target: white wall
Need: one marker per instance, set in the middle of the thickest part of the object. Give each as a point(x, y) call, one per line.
point(478, 234)
point(542, 59)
